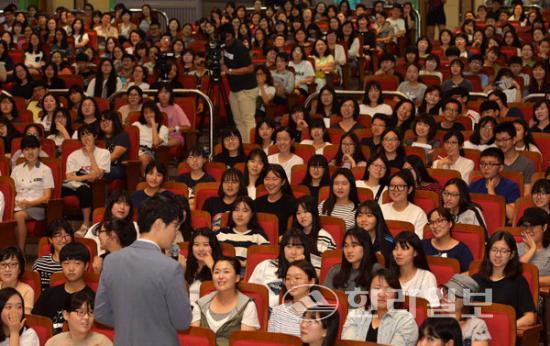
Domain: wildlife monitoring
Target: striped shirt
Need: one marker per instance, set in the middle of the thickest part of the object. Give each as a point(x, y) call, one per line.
point(46, 266)
point(284, 320)
point(324, 242)
point(344, 212)
point(241, 241)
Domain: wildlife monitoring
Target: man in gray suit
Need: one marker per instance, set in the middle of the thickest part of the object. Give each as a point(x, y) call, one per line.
point(142, 292)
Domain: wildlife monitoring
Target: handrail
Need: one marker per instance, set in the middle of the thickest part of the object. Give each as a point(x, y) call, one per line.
point(181, 91)
point(358, 93)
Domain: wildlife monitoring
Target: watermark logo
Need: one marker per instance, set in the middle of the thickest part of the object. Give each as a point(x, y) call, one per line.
point(321, 298)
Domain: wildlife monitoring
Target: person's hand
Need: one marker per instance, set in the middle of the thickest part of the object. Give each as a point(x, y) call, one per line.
point(59, 125)
point(13, 323)
point(528, 240)
point(97, 264)
point(182, 261)
point(22, 204)
point(224, 69)
point(302, 124)
point(208, 260)
point(491, 184)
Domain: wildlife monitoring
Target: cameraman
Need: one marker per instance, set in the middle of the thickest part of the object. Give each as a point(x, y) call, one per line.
point(238, 68)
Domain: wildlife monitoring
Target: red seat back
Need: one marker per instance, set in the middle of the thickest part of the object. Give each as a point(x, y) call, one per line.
point(257, 254)
point(493, 209)
point(443, 268)
point(336, 227)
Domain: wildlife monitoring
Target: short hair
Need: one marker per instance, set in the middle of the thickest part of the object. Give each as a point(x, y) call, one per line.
point(515, 60)
point(444, 328)
point(163, 207)
point(493, 152)
point(74, 301)
point(488, 106)
point(453, 51)
point(449, 100)
point(30, 142)
point(507, 127)
point(159, 166)
point(58, 225)
point(475, 57)
point(387, 57)
point(87, 129)
point(123, 229)
point(500, 94)
point(14, 251)
point(74, 251)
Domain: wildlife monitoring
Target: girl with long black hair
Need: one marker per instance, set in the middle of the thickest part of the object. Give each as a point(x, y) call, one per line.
point(370, 219)
point(106, 82)
point(343, 198)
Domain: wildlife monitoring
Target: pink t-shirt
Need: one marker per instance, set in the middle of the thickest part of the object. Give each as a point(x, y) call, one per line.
point(176, 117)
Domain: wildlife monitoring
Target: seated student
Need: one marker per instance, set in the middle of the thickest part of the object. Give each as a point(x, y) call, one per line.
point(254, 171)
point(457, 77)
point(358, 261)
point(458, 290)
point(279, 200)
point(442, 244)
point(452, 143)
point(88, 114)
point(483, 136)
point(152, 133)
point(298, 122)
point(117, 207)
point(307, 220)
point(232, 147)
point(370, 219)
point(106, 81)
point(300, 280)
point(489, 109)
point(540, 194)
point(116, 141)
point(383, 319)
point(283, 79)
point(535, 248)
point(196, 159)
point(113, 235)
point(349, 153)
point(376, 177)
point(343, 199)
point(59, 233)
point(12, 266)
point(500, 98)
point(319, 325)
point(263, 134)
point(456, 199)
point(403, 116)
point(402, 188)
point(293, 246)
point(319, 136)
point(74, 258)
point(242, 230)
point(203, 251)
point(155, 175)
point(78, 312)
point(325, 105)
point(432, 67)
point(387, 67)
point(226, 309)
point(33, 188)
point(491, 163)
point(134, 95)
point(505, 138)
point(410, 264)
point(500, 271)
point(349, 112)
point(177, 119)
point(451, 109)
point(373, 101)
point(12, 321)
point(32, 130)
point(524, 137)
point(61, 128)
point(392, 148)
point(284, 140)
point(231, 187)
point(422, 178)
point(462, 96)
point(475, 67)
point(85, 166)
point(411, 86)
point(424, 128)
point(541, 119)
point(440, 331)
point(317, 175)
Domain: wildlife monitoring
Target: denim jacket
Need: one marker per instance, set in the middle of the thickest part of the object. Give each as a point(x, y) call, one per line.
point(397, 327)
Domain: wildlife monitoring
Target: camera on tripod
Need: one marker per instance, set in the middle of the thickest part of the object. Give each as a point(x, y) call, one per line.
point(164, 65)
point(213, 60)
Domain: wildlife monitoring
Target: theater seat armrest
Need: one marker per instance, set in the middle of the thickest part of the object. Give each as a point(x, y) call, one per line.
point(7, 233)
point(54, 210)
point(99, 189)
point(133, 172)
point(529, 335)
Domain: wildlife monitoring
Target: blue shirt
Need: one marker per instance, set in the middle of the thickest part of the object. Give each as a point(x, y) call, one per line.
point(460, 252)
point(506, 188)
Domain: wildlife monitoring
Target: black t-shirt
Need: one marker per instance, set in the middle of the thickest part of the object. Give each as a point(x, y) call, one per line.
point(51, 302)
point(24, 91)
point(57, 83)
point(140, 196)
point(284, 208)
point(510, 291)
point(237, 56)
point(174, 84)
point(455, 127)
point(121, 140)
point(186, 178)
point(216, 205)
point(228, 160)
point(372, 334)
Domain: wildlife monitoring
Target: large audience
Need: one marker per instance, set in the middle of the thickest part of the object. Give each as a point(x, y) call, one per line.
point(438, 160)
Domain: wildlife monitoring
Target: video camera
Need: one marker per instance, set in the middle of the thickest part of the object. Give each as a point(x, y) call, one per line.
point(213, 60)
point(164, 65)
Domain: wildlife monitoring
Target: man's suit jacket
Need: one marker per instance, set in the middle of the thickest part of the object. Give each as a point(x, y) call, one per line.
point(142, 295)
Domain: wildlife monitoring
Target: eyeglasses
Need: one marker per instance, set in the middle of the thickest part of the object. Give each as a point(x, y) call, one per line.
point(397, 187)
point(486, 128)
point(488, 164)
point(450, 194)
point(502, 140)
point(436, 222)
point(394, 139)
point(82, 313)
point(500, 251)
point(9, 265)
point(231, 138)
point(380, 167)
point(451, 142)
point(450, 110)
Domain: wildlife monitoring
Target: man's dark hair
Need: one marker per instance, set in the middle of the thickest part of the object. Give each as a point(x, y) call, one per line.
point(30, 142)
point(387, 57)
point(475, 57)
point(515, 60)
point(458, 91)
point(227, 28)
point(488, 106)
point(74, 251)
point(164, 207)
point(493, 152)
point(85, 129)
point(507, 127)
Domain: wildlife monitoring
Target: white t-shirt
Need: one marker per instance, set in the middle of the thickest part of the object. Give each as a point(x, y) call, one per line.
point(58, 139)
point(2, 206)
point(27, 338)
point(302, 71)
point(381, 108)
point(374, 189)
point(250, 317)
point(194, 291)
point(31, 183)
point(463, 165)
point(317, 151)
point(142, 86)
point(146, 134)
point(480, 147)
point(423, 285)
point(265, 274)
point(77, 161)
point(412, 213)
point(90, 235)
point(287, 166)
